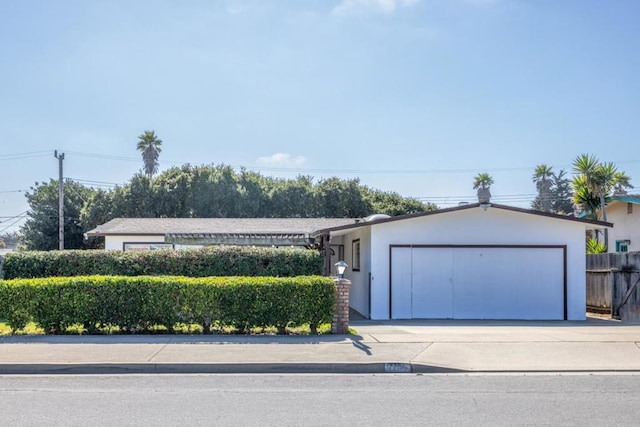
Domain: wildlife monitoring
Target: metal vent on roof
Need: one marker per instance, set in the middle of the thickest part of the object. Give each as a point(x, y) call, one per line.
point(376, 217)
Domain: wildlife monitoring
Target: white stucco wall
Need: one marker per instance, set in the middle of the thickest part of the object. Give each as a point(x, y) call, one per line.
point(359, 293)
point(625, 226)
point(467, 227)
point(115, 243)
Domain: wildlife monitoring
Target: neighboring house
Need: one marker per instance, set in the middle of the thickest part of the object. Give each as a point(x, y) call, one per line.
point(624, 212)
point(467, 262)
point(135, 234)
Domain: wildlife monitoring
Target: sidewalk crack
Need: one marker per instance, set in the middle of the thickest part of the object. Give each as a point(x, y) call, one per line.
point(159, 350)
point(421, 351)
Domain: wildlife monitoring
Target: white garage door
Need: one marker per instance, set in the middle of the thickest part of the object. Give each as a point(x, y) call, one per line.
point(520, 282)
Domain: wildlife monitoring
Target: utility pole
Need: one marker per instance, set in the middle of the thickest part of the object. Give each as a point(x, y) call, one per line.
point(60, 158)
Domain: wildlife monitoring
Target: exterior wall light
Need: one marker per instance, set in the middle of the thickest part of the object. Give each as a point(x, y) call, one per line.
point(341, 266)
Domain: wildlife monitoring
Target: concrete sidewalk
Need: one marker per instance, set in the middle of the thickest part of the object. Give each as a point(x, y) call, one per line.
point(387, 346)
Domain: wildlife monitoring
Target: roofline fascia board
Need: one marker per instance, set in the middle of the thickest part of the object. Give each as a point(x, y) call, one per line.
point(626, 199)
point(103, 234)
point(464, 207)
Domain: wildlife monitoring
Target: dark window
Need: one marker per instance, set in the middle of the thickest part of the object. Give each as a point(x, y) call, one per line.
point(355, 262)
point(622, 245)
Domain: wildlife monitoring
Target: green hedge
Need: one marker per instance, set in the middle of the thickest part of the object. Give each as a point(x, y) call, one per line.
point(134, 304)
point(204, 262)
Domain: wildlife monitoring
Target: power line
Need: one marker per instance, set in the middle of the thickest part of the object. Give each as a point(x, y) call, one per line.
point(18, 217)
point(18, 156)
point(92, 183)
point(346, 171)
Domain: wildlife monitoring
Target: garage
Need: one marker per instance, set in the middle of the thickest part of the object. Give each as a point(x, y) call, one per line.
point(467, 262)
point(478, 282)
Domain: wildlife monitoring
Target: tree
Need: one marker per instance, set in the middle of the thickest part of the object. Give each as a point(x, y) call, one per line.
point(543, 179)
point(293, 198)
point(149, 145)
point(392, 204)
point(554, 191)
point(40, 230)
point(482, 182)
point(338, 198)
point(621, 182)
point(593, 183)
point(561, 194)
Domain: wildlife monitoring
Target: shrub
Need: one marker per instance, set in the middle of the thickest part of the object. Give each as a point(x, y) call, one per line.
point(134, 304)
point(204, 262)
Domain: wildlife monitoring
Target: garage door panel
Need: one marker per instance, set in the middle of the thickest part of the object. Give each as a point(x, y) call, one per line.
point(432, 279)
point(401, 268)
point(484, 282)
point(509, 283)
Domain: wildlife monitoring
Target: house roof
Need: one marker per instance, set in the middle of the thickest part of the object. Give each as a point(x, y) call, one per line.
point(628, 198)
point(587, 222)
point(191, 226)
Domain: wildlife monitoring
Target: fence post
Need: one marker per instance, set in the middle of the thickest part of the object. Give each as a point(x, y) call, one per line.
point(340, 323)
point(613, 272)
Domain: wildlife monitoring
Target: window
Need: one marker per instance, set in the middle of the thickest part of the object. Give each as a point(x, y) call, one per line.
point(137, 247)
point(355, 253)
point(622, 245)
point(629, 208)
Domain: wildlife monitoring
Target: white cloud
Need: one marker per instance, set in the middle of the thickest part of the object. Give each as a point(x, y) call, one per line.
point(282, 159)
point(347, 7)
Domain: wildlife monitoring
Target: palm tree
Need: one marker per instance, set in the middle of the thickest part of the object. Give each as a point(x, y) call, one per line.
point(598, 179)
point(149, 145)
point(482, 182)
point(621, 181)
point(543, 178)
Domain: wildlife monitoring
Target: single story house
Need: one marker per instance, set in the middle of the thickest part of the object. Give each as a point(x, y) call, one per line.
point(624, 212)
point(136, 234)
point(475, 261)
point(468, 262)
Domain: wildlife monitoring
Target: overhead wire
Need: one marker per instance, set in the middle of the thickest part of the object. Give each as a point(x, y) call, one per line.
point(19, 217)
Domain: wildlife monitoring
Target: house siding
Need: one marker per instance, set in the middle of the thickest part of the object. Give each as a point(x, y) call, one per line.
point(359, 295)
point(626, 226)
point(116, 243)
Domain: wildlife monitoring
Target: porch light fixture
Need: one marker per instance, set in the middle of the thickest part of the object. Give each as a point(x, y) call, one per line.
point(341, 266)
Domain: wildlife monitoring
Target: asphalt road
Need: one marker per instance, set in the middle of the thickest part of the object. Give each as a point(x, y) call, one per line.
point(294, 400)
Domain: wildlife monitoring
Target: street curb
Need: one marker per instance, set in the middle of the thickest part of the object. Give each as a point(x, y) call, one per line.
point(189, 368)
point(266, 368)
point(216, 368)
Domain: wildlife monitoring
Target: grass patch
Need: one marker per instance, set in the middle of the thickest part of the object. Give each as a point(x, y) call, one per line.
point(30, 329)
point(177, 329)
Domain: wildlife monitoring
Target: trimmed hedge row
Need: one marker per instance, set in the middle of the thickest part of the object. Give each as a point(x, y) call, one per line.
point(204, 262)
point(134, 304)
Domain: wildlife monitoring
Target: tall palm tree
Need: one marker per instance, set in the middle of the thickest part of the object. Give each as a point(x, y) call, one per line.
point(482, 182)
point(149, 145)
point(543, 178)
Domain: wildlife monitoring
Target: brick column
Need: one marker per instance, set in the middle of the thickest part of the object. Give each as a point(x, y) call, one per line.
point(340, 323)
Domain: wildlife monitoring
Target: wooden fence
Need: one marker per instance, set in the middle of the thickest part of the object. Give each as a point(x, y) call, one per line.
point(613, 284)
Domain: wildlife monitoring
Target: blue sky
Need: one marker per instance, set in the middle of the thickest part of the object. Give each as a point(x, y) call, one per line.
point(412, 96)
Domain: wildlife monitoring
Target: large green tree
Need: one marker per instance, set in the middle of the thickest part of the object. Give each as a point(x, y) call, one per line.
point(40, 230)
point(212, 191)
point(150, 146)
